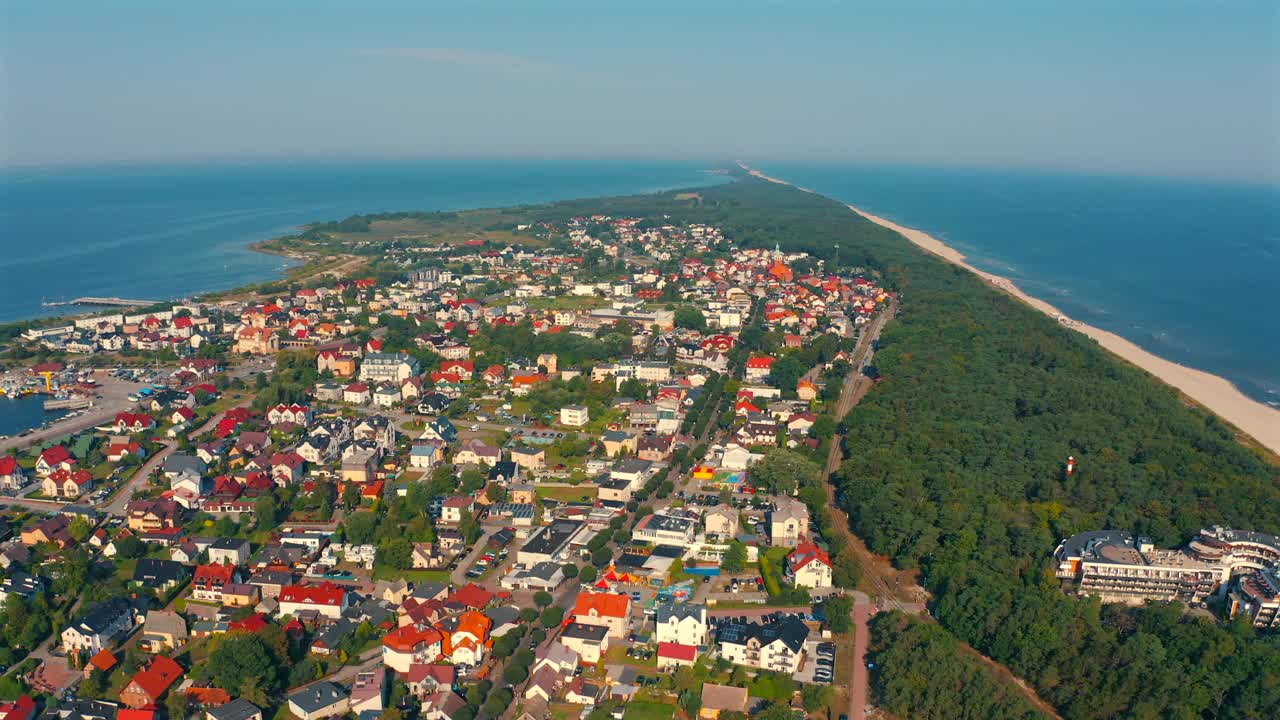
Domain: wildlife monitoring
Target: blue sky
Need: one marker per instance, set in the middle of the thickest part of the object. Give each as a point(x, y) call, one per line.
point(1162, 87)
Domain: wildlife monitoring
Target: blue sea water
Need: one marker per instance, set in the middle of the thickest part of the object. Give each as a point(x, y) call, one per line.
point(157, 233)
point(20, 413)
point(1188, 270)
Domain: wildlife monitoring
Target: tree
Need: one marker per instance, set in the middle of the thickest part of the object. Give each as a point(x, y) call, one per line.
point(588, 574)
point(570, 570)
point(472, 480)
point(688, 316)
point(601, 557)
point(782, 471)
point(824, 426)
point(239, 659)
point(735, 558)
point(528, 615)
point(265, 509)
point(175, 705)
point(815, 698)
point(498, 702)
point(468, 527)
point(351, 496)
point(78, 529)
point(361, 527)
point(398, 553)
point(837, 610)
point(776, 710)
point(129, 547)
point(691, 701)
point(551, 616)
point(542, 598)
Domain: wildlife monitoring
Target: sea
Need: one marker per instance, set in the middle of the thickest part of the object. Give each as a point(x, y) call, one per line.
point(25, 412)
point(167, 232)
point(1189, 270)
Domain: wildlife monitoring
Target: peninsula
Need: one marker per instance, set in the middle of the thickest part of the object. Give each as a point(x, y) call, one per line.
point(655, 455)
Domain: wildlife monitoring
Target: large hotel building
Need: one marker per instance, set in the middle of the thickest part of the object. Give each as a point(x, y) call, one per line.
point(1117, 567)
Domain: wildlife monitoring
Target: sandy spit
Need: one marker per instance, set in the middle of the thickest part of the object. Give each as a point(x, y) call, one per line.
point(1213, 392)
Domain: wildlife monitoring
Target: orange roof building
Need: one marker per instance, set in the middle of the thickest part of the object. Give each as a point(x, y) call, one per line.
point(148, 686)
point(611, 610)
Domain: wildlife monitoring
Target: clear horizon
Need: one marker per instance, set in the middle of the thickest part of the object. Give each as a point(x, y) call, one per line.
point(1185, 90)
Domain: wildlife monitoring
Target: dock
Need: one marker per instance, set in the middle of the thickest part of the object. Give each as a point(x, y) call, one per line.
point(67, 404)
point(100, 301)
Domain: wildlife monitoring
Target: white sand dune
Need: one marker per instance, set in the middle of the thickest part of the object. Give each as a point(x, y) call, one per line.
point(1213, 392)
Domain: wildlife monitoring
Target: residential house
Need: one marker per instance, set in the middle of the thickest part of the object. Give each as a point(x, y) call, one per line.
point(681, 623)
point(48, 530)
point(788, 522)
point(531, 459)
point(369, 691)
point(618, 442)
point(210, 581)
point(53, 459)
point(237, 709)
point(233, 551)
point(589, 641)
point(611, 610)
point(808, 566)
point(320, 700)
point(574, 415)
point(12, 476)
point(477, 452)
point(157, 575)
point(99, 627)
point(717, 699)
point(327, 600)
point(357, 394)
point(453, 507)
point(442, 704)
point(148, 686)
point(257, 341)
point(776, 645)
point(721, 520)
point(410, 645)
point(67, 483)
point(163, 630)
point(673, 655)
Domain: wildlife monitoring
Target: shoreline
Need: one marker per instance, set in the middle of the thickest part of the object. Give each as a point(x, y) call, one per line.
point(1216, 394)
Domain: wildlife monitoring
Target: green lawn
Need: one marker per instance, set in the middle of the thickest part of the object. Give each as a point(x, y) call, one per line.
point(638, 710)
point(567, 494)
point(386, 572)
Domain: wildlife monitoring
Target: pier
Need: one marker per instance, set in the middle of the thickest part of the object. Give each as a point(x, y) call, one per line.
point(100, 301)
point(67, 404)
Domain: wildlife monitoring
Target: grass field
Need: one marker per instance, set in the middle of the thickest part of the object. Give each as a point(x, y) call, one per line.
point(638, 710)
point(567, 494)
point(385, 572)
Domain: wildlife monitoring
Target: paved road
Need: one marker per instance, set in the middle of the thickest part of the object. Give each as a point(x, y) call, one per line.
point(115, 505)
point(459, 576)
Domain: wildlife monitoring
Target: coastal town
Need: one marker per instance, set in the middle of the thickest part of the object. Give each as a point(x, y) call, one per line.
point(580, 473)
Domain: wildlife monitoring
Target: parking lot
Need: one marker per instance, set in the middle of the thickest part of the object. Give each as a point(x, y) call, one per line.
point(819, 663)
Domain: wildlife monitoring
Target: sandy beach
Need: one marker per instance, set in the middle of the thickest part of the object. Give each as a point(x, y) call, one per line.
point(1213, 392)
